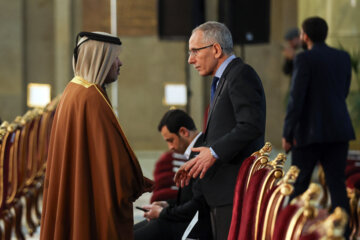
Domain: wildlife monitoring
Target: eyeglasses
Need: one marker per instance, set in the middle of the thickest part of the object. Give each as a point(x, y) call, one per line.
point(194, 51)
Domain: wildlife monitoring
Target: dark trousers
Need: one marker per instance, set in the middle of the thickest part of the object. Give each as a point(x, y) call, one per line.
point(332, 157)
point(159, 229)
point(220, 221)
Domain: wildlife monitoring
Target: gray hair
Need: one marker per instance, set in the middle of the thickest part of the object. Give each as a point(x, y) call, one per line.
point(217, 32)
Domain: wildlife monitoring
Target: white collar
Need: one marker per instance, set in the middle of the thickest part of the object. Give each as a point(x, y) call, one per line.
point(191, 145)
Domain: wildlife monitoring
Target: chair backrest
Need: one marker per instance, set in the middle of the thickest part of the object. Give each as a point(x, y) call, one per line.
point(256, 161)
point(9, 159)
point(262, 158)
point(23, 151)
point(47, 116)
point(274, 202)
point(12, 157)
point(292, 218)
point(164, 172)
point(33, 119)
point(353, 193)
point(261, 182)
point(4, 169)
point(3, 131)
point(331, 228)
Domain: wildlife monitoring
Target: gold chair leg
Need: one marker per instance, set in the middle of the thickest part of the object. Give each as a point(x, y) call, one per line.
point(8, 219)
point(38, 191)
point(1, 234)
point(29, 196)
point(18, 216)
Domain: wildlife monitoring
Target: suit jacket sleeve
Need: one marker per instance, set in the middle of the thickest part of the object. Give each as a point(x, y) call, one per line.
point(348, 77)
point(288, 66)
point(247, 97)
point(187, 210)
point(298, 90)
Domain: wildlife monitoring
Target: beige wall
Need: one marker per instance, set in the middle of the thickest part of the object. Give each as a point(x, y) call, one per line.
point(342, 17)
point(39, 42)
point(27, 47)
point(148, 63)
point(40, 49)
point(12, 59)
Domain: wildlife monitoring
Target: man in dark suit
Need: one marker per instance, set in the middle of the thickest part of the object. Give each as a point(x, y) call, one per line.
point(236, 121)
point(317, 124)
point(169, 221)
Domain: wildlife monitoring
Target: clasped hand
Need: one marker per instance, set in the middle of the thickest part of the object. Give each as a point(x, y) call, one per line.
point(195, 167)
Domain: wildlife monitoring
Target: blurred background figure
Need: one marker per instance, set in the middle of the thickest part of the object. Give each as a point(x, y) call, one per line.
point(292, 46)
point(319, 88)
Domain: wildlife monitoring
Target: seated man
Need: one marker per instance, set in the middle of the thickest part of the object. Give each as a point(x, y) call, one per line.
point(166, 221)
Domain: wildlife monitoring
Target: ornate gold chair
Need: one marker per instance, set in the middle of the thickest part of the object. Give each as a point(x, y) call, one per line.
point(9, 177)
point(353, 192)
point(5, 214)
point(291, 220)
point(250, 165)
point(261, 182)
point(331, 228)
point(22, 156)
point(14, 178)
point(41, 148)
point(28, 162)
point(274, 201)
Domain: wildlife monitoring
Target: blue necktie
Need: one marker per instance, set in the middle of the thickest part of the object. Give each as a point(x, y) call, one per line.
point(213, 88)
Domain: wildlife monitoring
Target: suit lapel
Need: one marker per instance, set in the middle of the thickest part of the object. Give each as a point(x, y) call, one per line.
point(219, 90)
point(217, 93)
point(198, 143)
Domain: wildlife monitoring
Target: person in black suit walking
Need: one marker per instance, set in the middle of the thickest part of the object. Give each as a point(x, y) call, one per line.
point(317, 124)
point(236, 121)
point(169, 221)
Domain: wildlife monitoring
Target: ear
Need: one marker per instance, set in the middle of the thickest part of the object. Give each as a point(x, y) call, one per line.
point(218, 50)
point(184, 132)
point(306, 37)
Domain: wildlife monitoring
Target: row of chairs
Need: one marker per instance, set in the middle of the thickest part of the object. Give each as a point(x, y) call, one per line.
point(352, 173)
point(262, 209)
point(23, 151)
point(164, 172)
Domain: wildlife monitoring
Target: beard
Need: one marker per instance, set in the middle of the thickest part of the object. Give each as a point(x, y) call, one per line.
point(304, 45)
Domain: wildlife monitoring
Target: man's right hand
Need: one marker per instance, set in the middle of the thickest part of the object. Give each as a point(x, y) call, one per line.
point(182, 177)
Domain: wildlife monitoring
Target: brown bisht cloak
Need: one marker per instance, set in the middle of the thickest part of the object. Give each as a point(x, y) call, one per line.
point(92, 174)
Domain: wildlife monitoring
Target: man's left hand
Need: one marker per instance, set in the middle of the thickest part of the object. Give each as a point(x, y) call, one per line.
point(201, 163)
point(286, 145)
point(154, 211)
